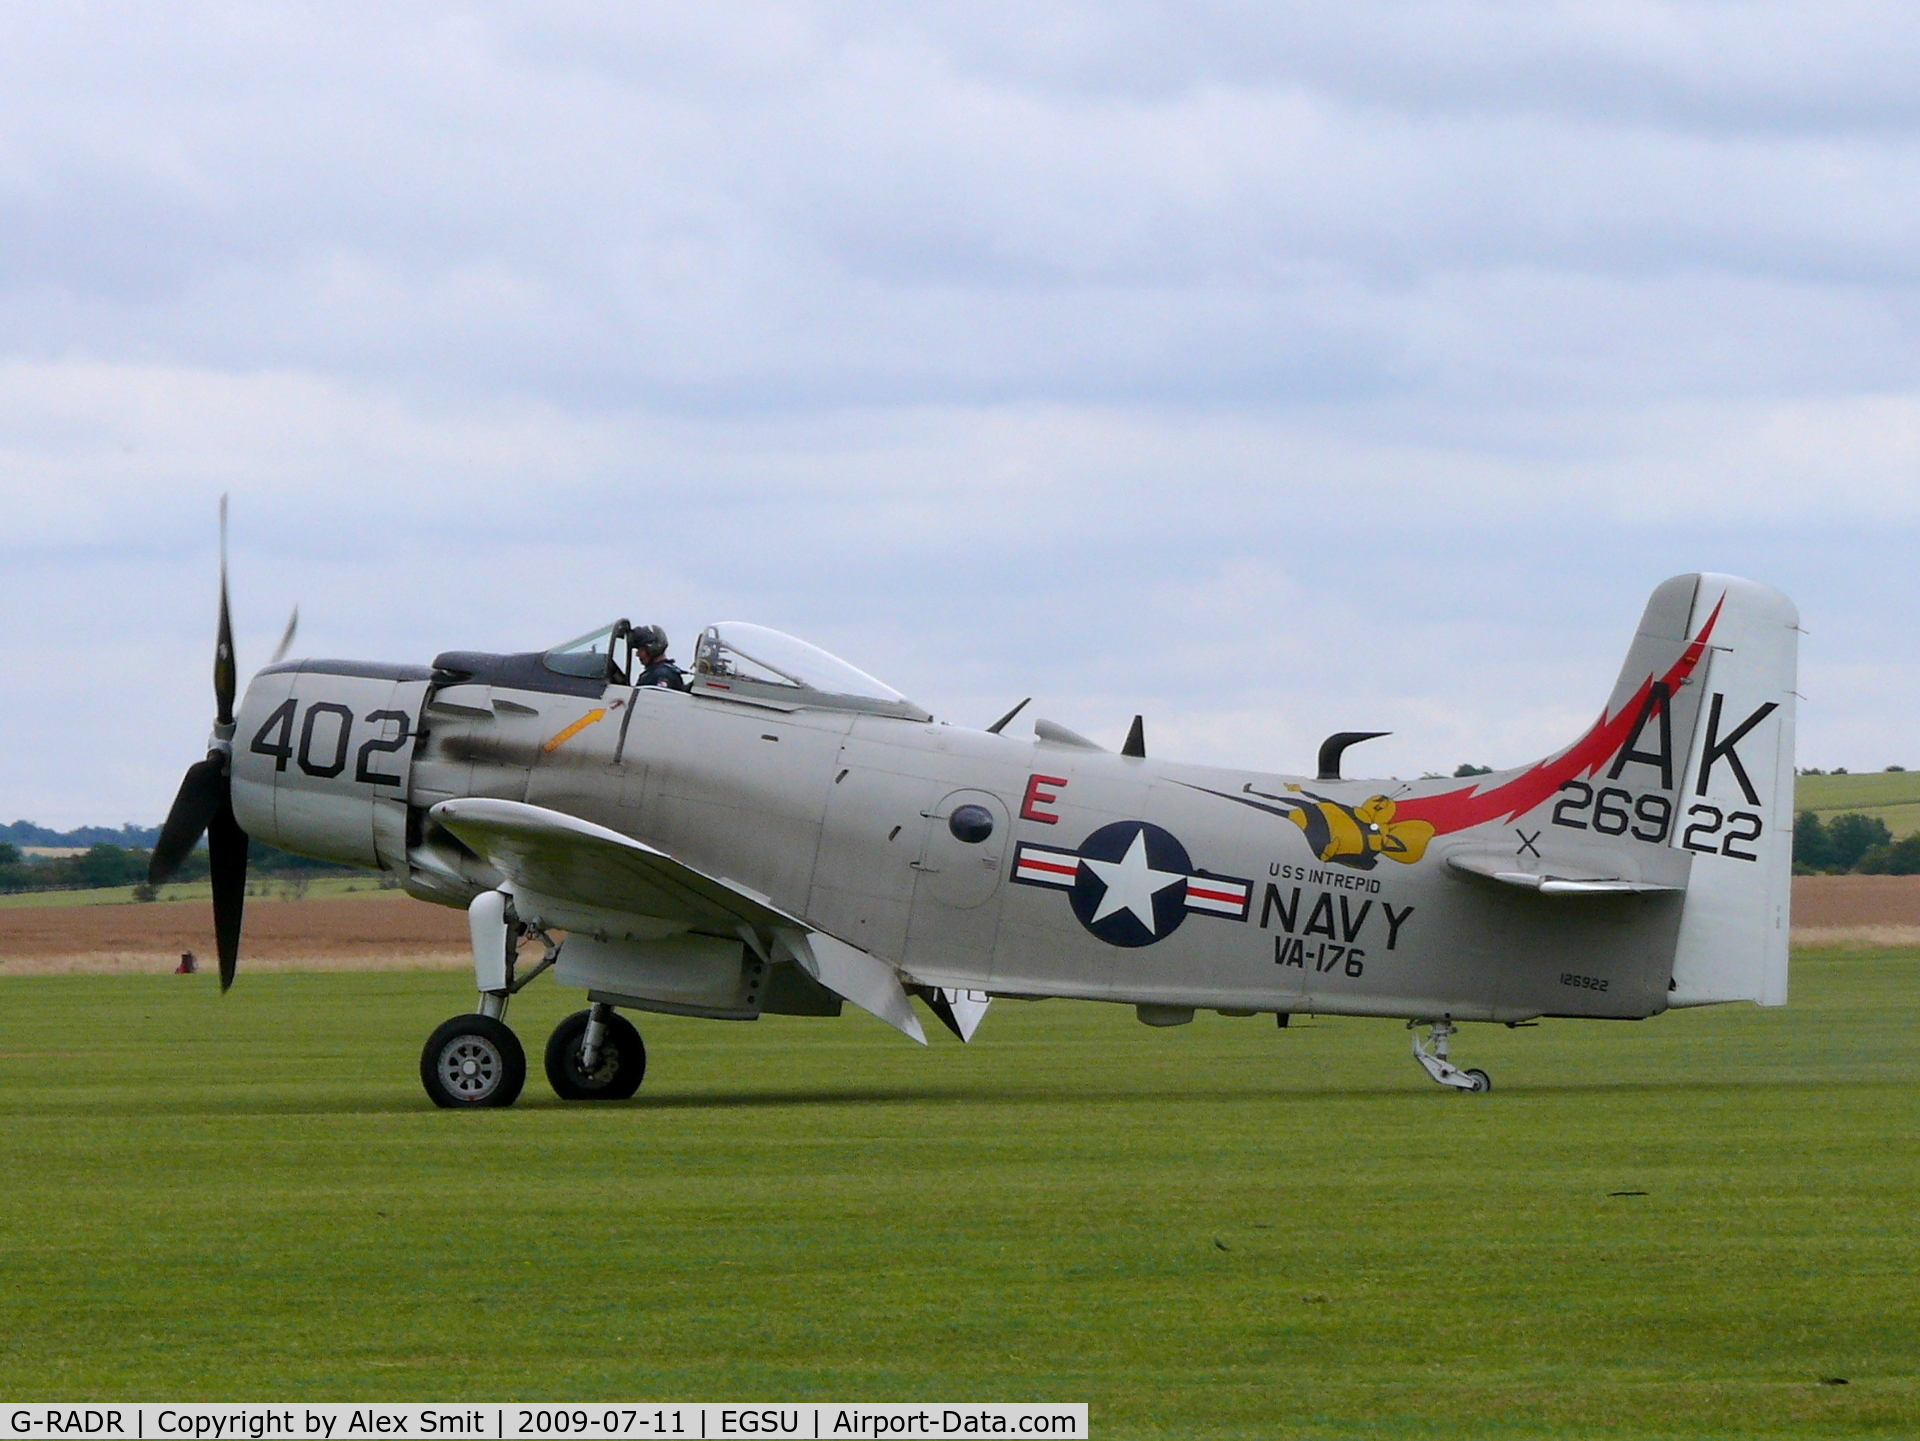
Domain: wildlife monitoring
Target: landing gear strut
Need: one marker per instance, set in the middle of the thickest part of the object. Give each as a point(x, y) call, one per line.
point(475, 1060)
point(1432, 1056)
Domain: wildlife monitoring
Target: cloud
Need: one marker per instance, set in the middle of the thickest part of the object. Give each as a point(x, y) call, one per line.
point(1265, 368)
point(840, 205)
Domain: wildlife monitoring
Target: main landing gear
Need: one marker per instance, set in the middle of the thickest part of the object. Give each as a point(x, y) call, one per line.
point(1432, 1056)
point(476, 1061)
point(596, 1055)
point(473, 1061)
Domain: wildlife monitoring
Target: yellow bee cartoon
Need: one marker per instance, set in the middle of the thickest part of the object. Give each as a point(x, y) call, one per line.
point(1354, 836)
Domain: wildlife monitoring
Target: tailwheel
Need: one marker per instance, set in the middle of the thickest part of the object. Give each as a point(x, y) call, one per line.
point(596, 1055)
point(472, 1062)
point(1432, 1056)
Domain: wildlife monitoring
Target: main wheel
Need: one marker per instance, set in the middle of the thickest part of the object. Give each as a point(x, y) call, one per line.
point(1481, 1080)
point(618, 1070)
point(473, 1061)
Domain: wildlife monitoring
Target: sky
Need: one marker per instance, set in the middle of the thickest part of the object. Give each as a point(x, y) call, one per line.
point(1264, 369)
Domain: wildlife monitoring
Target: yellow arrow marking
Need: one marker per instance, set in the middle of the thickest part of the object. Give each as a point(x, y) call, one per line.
point(597, 713)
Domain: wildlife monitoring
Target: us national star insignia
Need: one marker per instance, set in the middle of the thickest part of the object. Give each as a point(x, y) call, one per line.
point(1131, 883)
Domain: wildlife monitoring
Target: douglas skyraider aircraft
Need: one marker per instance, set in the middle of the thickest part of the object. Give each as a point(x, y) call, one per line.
point(789, 834)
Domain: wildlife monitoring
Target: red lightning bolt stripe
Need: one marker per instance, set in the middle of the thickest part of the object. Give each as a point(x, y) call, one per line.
point(1457, 810)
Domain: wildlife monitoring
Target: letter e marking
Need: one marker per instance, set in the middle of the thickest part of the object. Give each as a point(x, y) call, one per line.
point(1035, 798)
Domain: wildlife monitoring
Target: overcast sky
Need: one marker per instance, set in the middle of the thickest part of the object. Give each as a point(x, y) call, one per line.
point(1267, 369)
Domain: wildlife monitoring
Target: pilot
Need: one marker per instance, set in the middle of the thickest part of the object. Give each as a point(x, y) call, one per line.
point(650, 645)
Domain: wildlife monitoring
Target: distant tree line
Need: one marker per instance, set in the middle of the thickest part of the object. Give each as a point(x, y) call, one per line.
point(1852, 842)
point(105, 864)
point(98, 865)
point(128, 837)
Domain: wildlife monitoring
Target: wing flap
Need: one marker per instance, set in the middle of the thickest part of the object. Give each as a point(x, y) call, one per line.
point(866, 980)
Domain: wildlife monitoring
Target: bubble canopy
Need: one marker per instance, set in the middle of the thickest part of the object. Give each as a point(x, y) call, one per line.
point(757, 662)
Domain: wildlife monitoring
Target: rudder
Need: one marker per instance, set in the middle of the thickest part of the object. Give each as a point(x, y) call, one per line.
point(1735, 798)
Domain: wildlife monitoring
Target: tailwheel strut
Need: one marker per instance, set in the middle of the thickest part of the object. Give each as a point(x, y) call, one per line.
point(1431, 1053)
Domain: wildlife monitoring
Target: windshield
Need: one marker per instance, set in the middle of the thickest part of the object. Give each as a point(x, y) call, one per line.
point(736, 651)
point(588, 654)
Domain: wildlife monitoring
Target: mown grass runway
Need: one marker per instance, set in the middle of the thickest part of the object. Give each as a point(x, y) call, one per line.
point(1221, 1230)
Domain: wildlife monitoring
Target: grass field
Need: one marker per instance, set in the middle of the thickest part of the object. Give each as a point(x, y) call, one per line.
point(1219, 1230)
point(1892, 796)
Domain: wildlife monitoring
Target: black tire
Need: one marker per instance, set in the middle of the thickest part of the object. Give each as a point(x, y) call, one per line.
point(622, 1066)
point(472, 1062)
point(1481, 1080)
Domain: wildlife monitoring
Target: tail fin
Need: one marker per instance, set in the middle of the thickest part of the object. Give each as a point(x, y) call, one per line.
point(1684, 783)
point(1734, 806)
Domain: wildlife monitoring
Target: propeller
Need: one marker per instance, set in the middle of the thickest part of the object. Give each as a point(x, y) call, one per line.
point(286, 638)
point(204, 804)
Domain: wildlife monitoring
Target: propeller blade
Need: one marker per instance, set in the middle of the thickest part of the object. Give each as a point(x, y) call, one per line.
point(227, 858)
point(202, 793)
point(286, 641)
point(225, 675)
point(204, 805)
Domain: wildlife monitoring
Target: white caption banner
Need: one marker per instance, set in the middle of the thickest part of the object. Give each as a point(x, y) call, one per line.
point(535, 1421)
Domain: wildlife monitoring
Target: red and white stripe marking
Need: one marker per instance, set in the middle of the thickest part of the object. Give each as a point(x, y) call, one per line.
point(1218, 896)
point(1046, 866)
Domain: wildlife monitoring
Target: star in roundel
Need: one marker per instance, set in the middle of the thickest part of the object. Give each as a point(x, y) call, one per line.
point(1131, 883)
point(1132, 886)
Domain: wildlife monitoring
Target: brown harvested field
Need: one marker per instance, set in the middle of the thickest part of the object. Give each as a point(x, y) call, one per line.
point(1856, 910)
point(376, 932)
point(1856, 901)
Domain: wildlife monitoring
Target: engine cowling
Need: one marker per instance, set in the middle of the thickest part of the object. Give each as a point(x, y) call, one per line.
point(321, 755)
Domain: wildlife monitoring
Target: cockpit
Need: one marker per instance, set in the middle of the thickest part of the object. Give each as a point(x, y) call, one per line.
point(739, 661)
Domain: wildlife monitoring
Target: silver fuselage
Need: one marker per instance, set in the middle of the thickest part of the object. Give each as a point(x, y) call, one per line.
point(842, 819)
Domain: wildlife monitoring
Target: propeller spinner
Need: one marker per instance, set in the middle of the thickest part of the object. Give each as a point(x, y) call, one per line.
point(204, 804)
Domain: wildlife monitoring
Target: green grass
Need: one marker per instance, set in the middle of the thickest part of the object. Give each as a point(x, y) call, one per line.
point(1891, 796)
point(317, 887)
point(1219, 1230)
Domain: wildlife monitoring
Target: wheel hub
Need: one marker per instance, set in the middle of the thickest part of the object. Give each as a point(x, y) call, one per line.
point(606, 1066)
point(471, 1067)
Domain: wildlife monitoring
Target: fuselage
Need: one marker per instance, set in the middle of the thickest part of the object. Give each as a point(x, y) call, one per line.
point(1093, 875)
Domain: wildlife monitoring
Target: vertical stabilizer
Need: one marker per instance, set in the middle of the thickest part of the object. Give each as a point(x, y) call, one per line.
point(1735, 802)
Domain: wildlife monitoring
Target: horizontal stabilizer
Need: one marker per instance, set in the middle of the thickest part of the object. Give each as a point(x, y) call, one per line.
point(1488, 868)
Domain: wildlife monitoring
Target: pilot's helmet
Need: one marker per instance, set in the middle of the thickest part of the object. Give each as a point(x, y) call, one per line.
point(649, 638)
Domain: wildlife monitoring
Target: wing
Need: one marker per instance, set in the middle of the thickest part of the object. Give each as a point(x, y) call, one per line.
point(570, 860)
point(575, 865)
